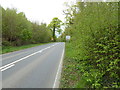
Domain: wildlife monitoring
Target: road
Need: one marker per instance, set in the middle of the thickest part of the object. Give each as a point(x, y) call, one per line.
point(36, 67)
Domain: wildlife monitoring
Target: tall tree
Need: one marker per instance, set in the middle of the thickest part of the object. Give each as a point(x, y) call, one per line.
point(55, 25)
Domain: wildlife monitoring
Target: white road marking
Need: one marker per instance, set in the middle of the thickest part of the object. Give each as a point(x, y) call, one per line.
point(5, 67)
point(58, 71)
point(17, 54)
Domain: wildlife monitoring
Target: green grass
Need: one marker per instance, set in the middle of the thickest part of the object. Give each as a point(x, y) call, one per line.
point(70, 72)
point(8, 49)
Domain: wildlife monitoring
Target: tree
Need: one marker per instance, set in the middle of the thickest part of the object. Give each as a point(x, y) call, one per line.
point(18, 30)
point(55, 25)
point(40, 33)
point(70, 13)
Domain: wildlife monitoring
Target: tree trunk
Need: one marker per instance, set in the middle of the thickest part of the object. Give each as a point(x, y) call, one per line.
point(54, 33)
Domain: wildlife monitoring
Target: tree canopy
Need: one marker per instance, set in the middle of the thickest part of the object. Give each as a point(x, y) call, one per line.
point(18, 30)
point(55, 25)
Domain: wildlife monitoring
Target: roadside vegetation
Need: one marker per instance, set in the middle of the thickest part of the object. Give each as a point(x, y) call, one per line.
point(17, 30)
point(92, 58)
point(19, 33)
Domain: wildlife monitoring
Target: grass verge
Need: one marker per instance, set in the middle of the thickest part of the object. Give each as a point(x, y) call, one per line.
point(70, 73)
point(8, 49)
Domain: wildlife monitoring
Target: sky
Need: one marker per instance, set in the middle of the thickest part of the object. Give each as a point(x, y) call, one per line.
point(38, 10)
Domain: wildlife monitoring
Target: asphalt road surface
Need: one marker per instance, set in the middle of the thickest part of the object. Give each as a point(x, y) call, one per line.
point(36, 67)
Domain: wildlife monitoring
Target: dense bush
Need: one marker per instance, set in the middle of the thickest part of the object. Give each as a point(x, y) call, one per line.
point(95, 45)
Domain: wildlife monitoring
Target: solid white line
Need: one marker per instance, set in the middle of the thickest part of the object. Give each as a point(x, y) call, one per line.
point(25, 57)
point(7, 67)
point(58, 71)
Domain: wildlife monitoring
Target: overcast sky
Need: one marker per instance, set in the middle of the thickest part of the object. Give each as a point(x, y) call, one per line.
point(38, 10)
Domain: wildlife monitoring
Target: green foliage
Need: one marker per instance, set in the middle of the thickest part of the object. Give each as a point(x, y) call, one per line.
point(17, 30)
point(55, 22)
point(61, 38)
point(70, 12)
point(95, 45)
point(55, 25)
point(25, 35)
point(41, 33)
point(6, 43)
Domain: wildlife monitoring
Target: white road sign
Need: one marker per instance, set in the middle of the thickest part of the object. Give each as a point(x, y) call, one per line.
point(67, 37)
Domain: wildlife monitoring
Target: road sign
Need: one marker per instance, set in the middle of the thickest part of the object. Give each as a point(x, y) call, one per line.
point(67, 38)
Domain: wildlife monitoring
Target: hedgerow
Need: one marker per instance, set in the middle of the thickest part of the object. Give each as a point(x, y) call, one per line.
point(95, 42)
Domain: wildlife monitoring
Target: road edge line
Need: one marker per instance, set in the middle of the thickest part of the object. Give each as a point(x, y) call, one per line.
point(59, 68)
